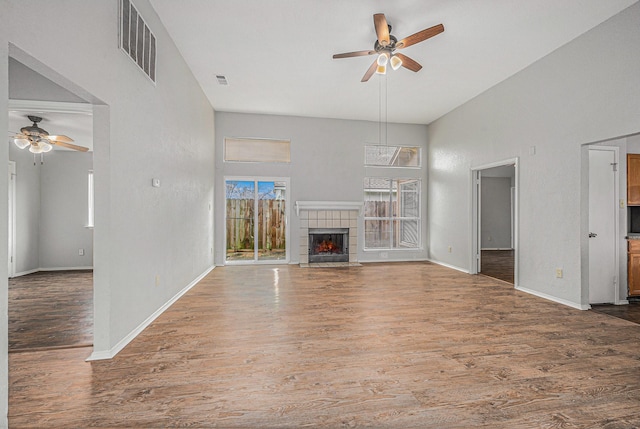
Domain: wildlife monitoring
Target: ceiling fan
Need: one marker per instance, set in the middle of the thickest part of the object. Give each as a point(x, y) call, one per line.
point(387, 44)
point(40, 141)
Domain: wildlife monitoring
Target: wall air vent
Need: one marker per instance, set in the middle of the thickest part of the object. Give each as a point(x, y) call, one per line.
point(137, 40)
point(222, 80)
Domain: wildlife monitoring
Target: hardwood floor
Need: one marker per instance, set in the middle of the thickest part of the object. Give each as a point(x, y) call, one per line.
point(51, 309)
point(498, 264)
point(629, 312)
point(398, 345)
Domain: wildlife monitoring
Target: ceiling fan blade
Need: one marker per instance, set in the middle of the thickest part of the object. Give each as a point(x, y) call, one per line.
point(408, 62)
point(353, 54)
point(69, 145)
point(60, 138)
point(382, 28)
point(420, 36)
point(370, 72)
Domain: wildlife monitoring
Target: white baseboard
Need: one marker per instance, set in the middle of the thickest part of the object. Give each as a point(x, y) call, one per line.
point(453, 267)
point(66, 268)
point(109, 354)
point(554, 299)
point(622, 302)
point(497, 248)
point(37, 270)
point(374, 261)
point(24, 273)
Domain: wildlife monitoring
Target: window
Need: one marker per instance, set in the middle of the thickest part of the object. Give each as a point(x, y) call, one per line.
point(90, 200)
point(257, 150)
point(391, 156)
point(391, 213)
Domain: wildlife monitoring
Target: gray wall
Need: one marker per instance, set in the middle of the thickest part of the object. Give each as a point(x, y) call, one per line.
point(27, 184)
point(495, 213)
point(149, 243)
point(63, 205)
point(584, 92)
point(327, 164)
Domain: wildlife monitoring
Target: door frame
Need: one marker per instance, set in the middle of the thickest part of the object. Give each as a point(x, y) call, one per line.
point(616, 235)
point(287, 212)
point(12, 219)
point(475, 217)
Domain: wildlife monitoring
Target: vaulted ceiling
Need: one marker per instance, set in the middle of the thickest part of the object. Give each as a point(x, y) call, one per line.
point(277, 54)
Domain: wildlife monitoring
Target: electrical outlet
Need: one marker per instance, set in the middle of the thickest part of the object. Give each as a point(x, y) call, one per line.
point(81, 252)
point(559, 273)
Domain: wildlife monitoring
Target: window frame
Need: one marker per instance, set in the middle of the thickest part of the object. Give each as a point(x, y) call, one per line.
point(400, 147)
point(394, 218)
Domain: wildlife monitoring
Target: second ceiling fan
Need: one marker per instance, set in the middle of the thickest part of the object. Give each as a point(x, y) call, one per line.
point(387, 44)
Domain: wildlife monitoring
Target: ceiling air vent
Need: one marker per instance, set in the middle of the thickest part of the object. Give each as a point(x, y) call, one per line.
point(137, 40)
point(222, 80)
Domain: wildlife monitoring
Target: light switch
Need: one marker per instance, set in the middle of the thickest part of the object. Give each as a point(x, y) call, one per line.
point(155, 183)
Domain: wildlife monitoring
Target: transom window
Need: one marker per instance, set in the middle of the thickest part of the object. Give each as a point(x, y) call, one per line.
point(391, 156)
point(391, 213)
point(256, 150)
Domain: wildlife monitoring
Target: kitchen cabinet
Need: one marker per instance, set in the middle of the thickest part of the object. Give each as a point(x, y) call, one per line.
point(633, 179)
point(633, 253)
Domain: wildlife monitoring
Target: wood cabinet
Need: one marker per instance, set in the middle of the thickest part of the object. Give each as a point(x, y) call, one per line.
point(633, 253)
point(633, 179)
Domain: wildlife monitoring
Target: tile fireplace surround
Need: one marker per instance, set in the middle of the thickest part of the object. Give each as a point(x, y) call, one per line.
point(328, 214)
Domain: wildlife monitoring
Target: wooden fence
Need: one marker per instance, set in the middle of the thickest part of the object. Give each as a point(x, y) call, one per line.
point(271, 224)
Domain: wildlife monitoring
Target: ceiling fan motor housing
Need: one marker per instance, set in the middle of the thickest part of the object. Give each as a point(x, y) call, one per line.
point(34, 130)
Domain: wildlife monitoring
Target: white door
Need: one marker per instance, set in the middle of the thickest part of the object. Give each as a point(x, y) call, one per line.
point(603, 270)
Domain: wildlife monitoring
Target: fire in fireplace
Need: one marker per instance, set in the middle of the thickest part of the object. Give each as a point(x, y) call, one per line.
point(328, 245)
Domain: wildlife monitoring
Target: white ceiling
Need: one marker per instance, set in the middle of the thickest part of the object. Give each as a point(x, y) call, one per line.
point(277, 54)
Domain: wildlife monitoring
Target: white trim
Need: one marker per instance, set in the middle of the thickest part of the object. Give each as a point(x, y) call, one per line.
point(37, 270)
point(384, 261)
point(50, 106)
point(474, 219)
point(496, 248)
point(453, 267)
point(622, 302)
point(89, 267)
point(109, 354)
point(328, 205)
point(12, 219)
point(554, 299)
point(24, 273)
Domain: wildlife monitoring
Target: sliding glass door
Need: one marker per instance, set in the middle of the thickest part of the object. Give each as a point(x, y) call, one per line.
point(256, 220)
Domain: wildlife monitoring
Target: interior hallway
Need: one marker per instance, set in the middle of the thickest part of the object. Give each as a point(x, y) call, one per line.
point(384, 345)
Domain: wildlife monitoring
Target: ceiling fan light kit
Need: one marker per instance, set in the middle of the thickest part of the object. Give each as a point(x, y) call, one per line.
point(40, 141)
point(387, 44)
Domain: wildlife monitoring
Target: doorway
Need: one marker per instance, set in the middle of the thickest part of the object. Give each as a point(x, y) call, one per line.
point(495, 220)
point(603, 225)
point(256, 220)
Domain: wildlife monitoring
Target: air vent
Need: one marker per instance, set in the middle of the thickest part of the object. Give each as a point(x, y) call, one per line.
point(137, 40)
point(222, 80)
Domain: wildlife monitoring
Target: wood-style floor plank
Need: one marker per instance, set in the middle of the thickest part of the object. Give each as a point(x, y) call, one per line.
point(402, 345)
point(51, 309)
point(498, 264)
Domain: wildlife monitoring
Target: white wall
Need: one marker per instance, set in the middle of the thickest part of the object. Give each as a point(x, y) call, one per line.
point(4, 269)
point(496, 213)
point(149, 243)
point(63, 204)
point(327, 163)
point(584, 92)
point(27, 183)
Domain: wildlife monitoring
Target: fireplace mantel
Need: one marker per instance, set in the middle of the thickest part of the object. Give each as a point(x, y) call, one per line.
point(328, 205)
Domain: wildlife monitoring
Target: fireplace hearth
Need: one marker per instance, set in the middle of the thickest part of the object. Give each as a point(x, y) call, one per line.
point(328, 245)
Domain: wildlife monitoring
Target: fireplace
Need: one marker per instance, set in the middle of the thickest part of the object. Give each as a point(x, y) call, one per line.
point(328, 245)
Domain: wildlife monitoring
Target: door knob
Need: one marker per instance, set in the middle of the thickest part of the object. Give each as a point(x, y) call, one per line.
point(592, 235)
